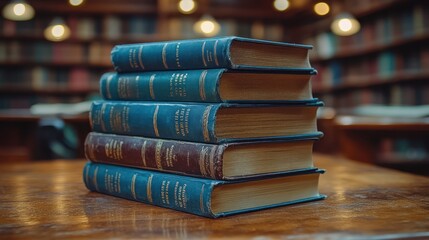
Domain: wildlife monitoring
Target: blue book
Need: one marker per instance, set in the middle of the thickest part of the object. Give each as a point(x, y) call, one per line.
point(204, 122)
point(206, 85)
point(204, 197)
point(219, 52)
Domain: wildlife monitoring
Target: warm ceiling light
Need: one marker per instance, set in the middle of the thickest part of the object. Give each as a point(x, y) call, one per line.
point(187, 6)
point(345, 25)
point(57, 31)
point(75, 2)
point(207, 26)
point(18, 10)
point(281, 5)
point(321, 8)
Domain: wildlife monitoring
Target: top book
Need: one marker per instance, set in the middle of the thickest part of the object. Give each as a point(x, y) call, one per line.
point(221, 52)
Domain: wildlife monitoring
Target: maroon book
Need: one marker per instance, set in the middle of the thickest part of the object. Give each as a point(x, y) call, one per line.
point(214, 161)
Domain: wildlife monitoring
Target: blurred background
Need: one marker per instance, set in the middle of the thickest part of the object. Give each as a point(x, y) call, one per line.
point(370, 56)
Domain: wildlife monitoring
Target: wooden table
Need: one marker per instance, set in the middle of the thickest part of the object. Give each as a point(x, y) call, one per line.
point(49, 199)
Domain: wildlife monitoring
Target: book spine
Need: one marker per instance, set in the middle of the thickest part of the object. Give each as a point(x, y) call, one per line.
point(173, 86)
point(173, 55)
point(188, 122)
point(197, 159)
point(181, 193)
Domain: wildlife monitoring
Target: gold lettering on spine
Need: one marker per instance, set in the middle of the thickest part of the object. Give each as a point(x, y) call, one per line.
point(95, 182)
point(133, 186)
point(181, 121)
point(169, 157)
point(202, 199)
point(165, 197)
point(149, 188)
point(176, 199)
point(202, 81)
point(203, 55)
point(164, 56)
point(158, 154)
point(184, 198)
point(141, 58)
point(119, 118)
point(113, 149)
point(215, 54)
point(155, 121)
point(177, 55)
point(206, 124)
point(152, 93)
point(132, 58)
point(118, 182)
point(143, 153)
point(180, 198)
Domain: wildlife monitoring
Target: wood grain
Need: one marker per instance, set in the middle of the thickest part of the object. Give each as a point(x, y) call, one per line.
point(49, 200)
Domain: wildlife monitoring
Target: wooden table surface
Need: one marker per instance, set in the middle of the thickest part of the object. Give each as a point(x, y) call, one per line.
point(49, 199)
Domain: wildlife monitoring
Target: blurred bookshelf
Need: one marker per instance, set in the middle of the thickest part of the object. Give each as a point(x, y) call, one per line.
point(383, 65)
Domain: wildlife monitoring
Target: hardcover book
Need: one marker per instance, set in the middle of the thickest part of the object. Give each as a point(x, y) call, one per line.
point(215, 161)
point(206, 85)
point(219, 52)
point(204, 197)
point(203, 122)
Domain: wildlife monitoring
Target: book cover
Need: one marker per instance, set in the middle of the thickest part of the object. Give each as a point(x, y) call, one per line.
point(218, 52)
point(206, 85)
point(204, 197)
point(204, 122)
point(214, 161)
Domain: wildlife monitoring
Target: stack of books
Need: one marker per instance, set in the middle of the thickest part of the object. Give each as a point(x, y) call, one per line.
point(212, 127)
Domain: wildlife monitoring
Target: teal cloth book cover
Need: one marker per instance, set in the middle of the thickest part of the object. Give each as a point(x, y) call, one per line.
point(219, 52)
point(204, 197)
point(203, 122)
point(207, 85)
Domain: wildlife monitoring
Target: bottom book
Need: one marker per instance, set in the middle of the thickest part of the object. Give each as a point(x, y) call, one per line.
point(204, 197)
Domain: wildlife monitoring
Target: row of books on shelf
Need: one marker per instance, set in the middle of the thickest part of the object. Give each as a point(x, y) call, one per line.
point(55, 53)
point(136, 28)
point(183, 27)
point(365, 5)
point(402, 150)
point(163, 134)
point(410, 22)
point(379, 67)
point(39, 78)
point(404, 95)
point(109, 27)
